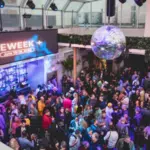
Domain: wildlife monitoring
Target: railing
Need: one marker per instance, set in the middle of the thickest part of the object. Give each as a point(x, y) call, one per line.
point(131, 18)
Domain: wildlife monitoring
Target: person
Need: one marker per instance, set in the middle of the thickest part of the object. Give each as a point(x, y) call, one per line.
point(112, 138)
point(41, 106)
point(2, 121)
point(46, 120)
point(74, 103)
point(84, 146)
point(109, 111)
point(115, 115)
point(139, 138)
point(63, 145)
point(1, 134)
point(21, 128)
point(13, 143)
point(14, 110)
point(14, 125)
point(74, 140)
point(122, 127)
point(94, 145)
point(92, 101)
point(25, 143)
point(30, 102)
point(147, 136)
point(67, 104)
point(125, 144)
point(74, 125)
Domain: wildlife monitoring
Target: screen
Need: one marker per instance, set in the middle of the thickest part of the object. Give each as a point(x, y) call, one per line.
point(17, 46)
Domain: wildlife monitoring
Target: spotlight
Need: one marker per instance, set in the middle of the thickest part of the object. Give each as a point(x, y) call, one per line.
point(30, 4)
point(2, 4)
point(53, 7)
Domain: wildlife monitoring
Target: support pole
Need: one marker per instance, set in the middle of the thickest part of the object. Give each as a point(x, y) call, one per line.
point(147, 21)
point(121, 17)
point(43, 18)
point(1, 22)
point(74, 65)
point(62, 19)
point(138, 11)
point(91, 14)
point(72, 19)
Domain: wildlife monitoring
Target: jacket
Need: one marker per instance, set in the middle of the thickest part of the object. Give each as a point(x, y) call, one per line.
point(41, 107)
point(46, 122)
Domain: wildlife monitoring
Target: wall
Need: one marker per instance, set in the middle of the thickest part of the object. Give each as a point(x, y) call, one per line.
point(147, 25)
point(90, 31)
point(35, 73)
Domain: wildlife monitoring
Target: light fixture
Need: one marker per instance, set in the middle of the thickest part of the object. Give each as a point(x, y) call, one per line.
point(30, 4)
point(2, 4)
point(27, 15)
point(53, 6)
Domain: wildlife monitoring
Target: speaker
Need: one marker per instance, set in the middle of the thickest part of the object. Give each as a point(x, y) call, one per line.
point(111, 8)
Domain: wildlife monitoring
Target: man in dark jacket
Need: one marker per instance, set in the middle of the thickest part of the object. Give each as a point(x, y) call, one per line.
point(22, 128)
point(95, 142)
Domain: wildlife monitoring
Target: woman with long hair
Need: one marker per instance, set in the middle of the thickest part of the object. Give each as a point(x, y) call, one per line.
point(14, 125)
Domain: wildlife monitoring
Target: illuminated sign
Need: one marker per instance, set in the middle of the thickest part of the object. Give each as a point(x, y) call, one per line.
point(17, 48)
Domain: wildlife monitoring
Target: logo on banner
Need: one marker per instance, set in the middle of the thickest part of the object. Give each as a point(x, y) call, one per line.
point(17, 48)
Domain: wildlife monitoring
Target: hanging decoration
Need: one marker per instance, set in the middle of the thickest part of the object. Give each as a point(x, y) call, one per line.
point(122, 1)
point(139, 2)
point(108, 42)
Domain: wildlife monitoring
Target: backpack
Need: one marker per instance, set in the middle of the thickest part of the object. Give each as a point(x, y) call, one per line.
point(122, 132)
point(126, 146)
point(72, 135)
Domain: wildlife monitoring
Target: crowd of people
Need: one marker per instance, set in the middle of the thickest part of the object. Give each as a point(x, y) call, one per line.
point(103, 111)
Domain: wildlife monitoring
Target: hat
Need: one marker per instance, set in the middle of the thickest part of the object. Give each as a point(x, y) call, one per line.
point(85, 144)
point(109, 105)
point(105, 82)
point(72, 89)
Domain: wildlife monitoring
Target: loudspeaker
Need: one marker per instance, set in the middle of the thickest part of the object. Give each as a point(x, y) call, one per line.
point(111, 8)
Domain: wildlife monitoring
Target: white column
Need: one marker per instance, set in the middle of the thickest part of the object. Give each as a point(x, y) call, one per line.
point(147, 21)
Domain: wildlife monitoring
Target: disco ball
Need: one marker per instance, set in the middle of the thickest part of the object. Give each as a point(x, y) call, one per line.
point(108, 42)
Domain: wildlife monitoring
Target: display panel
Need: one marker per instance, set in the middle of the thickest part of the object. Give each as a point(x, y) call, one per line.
point(17, 46)
point(15, 76)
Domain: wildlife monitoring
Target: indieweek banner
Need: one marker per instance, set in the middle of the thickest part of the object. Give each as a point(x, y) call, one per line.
point(17, 46)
